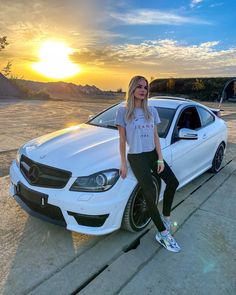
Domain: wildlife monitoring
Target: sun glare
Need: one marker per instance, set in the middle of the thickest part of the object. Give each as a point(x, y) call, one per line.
point(55, 62)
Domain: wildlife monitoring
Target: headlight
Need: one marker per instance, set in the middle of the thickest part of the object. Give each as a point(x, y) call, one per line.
point(98, 182)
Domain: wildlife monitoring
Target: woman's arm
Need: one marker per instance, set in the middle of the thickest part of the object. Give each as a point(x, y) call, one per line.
point(123, 169)
point(157, 143)
point(160, 162)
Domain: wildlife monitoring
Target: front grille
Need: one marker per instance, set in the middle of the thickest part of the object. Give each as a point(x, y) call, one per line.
point(42, 175)
point(32, 200)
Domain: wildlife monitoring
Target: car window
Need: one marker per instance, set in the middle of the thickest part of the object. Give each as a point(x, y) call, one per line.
point(166, 115)
point(107, 119)
point(189, 118)
point(206, 117)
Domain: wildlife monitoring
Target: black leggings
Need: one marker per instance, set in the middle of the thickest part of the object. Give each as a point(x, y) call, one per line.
point(141, 165)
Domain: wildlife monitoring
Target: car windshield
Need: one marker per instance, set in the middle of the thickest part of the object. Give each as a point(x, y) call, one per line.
point(107, 119)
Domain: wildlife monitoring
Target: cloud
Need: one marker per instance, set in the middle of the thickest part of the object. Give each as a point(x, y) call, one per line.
point(163, 56)
point(154, 17)
point(31, 19)
point(216, 4)
point(87, 27)
point(195, 3)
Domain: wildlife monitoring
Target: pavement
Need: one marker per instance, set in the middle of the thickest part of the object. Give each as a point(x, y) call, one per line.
point(40, 258)
point(207, 262)
point(47, 259)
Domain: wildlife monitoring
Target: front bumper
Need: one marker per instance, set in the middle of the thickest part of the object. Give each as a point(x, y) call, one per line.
point(83, 212)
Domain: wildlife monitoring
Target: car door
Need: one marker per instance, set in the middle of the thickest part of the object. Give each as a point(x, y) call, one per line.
point(186, 154)
point(208, 135)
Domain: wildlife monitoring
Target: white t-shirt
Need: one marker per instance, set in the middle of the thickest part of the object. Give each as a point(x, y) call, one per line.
point(139, 131)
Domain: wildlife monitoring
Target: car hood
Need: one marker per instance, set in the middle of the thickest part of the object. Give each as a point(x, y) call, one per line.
point(81, 149)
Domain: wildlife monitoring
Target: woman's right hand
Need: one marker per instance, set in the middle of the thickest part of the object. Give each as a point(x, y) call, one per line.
point(123, 170)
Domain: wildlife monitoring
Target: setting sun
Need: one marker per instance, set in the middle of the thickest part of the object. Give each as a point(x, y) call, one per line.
point(55, 62)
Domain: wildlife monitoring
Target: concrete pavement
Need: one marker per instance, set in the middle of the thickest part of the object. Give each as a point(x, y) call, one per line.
point(46, 259)
point(207, 262)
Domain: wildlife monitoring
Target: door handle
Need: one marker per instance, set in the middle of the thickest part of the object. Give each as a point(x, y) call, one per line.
point(204, 136)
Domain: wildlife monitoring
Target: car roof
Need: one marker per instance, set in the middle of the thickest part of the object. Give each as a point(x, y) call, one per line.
point(169, 101)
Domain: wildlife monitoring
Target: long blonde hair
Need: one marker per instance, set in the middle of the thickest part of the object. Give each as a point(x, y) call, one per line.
point(130, 98)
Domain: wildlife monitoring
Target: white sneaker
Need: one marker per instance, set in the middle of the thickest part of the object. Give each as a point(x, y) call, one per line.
point(166, 222)
point(168, 242)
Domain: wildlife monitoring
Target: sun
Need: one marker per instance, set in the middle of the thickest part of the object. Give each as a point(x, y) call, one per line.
point(55, 62)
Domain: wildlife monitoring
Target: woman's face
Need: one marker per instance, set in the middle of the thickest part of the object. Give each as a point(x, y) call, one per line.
point(141, 90)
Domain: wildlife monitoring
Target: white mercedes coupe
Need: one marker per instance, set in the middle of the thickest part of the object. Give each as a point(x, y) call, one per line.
point(71, 176)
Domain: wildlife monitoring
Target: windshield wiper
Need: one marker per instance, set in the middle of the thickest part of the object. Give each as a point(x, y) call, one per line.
point(108, 126)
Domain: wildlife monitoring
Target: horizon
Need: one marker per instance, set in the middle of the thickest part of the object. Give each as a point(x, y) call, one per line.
point(104, 44)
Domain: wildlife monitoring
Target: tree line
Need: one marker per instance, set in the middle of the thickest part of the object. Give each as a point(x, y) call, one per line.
point(209, 89)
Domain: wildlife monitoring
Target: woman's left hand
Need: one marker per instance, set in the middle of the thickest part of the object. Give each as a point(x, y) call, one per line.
point(160, 167)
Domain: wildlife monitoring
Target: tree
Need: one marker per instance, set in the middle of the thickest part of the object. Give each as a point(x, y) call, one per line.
point(171, 84)
point(119, 90)
point(7, 69)
point(198, 85)
point(3, 42)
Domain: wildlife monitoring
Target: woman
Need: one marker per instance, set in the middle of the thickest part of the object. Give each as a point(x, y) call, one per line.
point(137, 125)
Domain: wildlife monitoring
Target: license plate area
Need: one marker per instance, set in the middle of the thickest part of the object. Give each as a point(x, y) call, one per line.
point(30, 195)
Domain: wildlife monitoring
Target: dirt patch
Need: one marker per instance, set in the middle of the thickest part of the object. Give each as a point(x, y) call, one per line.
point(23, 120)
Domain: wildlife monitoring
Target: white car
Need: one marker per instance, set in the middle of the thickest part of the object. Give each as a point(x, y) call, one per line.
point(71, 176)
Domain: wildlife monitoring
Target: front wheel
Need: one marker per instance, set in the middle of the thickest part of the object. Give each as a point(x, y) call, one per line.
point(218, 158)
point(136, 215)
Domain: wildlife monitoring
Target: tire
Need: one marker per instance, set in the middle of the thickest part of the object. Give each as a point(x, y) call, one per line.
point(218, 158)
point(136, 206)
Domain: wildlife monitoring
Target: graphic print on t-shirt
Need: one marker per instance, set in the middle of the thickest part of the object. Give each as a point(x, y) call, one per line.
point(139, 130)
point(142, 126)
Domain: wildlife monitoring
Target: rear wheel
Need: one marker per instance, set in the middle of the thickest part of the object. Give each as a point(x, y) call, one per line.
point(136, 216)
point(218, 158)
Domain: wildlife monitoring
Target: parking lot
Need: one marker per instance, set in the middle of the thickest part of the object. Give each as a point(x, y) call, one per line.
point(40, 258)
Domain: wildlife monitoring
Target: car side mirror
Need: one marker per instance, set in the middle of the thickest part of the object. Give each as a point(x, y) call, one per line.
point(189, 134)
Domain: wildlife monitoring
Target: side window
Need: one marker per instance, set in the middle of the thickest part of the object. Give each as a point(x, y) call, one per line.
point(189, 118)
point(206, 117)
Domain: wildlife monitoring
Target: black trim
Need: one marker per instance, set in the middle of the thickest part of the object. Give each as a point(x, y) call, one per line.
point(89, 220)
point(48, 177)
point(31, 196)
point(46, 212)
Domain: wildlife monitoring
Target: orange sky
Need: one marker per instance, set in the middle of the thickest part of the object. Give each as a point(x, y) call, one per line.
point(112, 41)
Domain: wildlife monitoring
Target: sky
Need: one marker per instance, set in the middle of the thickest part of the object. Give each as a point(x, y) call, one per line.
point(111, 41)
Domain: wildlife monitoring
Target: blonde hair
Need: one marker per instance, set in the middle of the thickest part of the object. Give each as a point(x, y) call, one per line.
point(130, 98)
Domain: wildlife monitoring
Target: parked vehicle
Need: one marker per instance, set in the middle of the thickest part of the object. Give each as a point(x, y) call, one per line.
point(71, 176)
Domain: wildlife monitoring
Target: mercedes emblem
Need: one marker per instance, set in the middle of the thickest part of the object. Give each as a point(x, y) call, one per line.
point(34, 174)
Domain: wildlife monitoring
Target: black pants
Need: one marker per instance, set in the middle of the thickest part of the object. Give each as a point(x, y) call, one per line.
point(141, 165)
